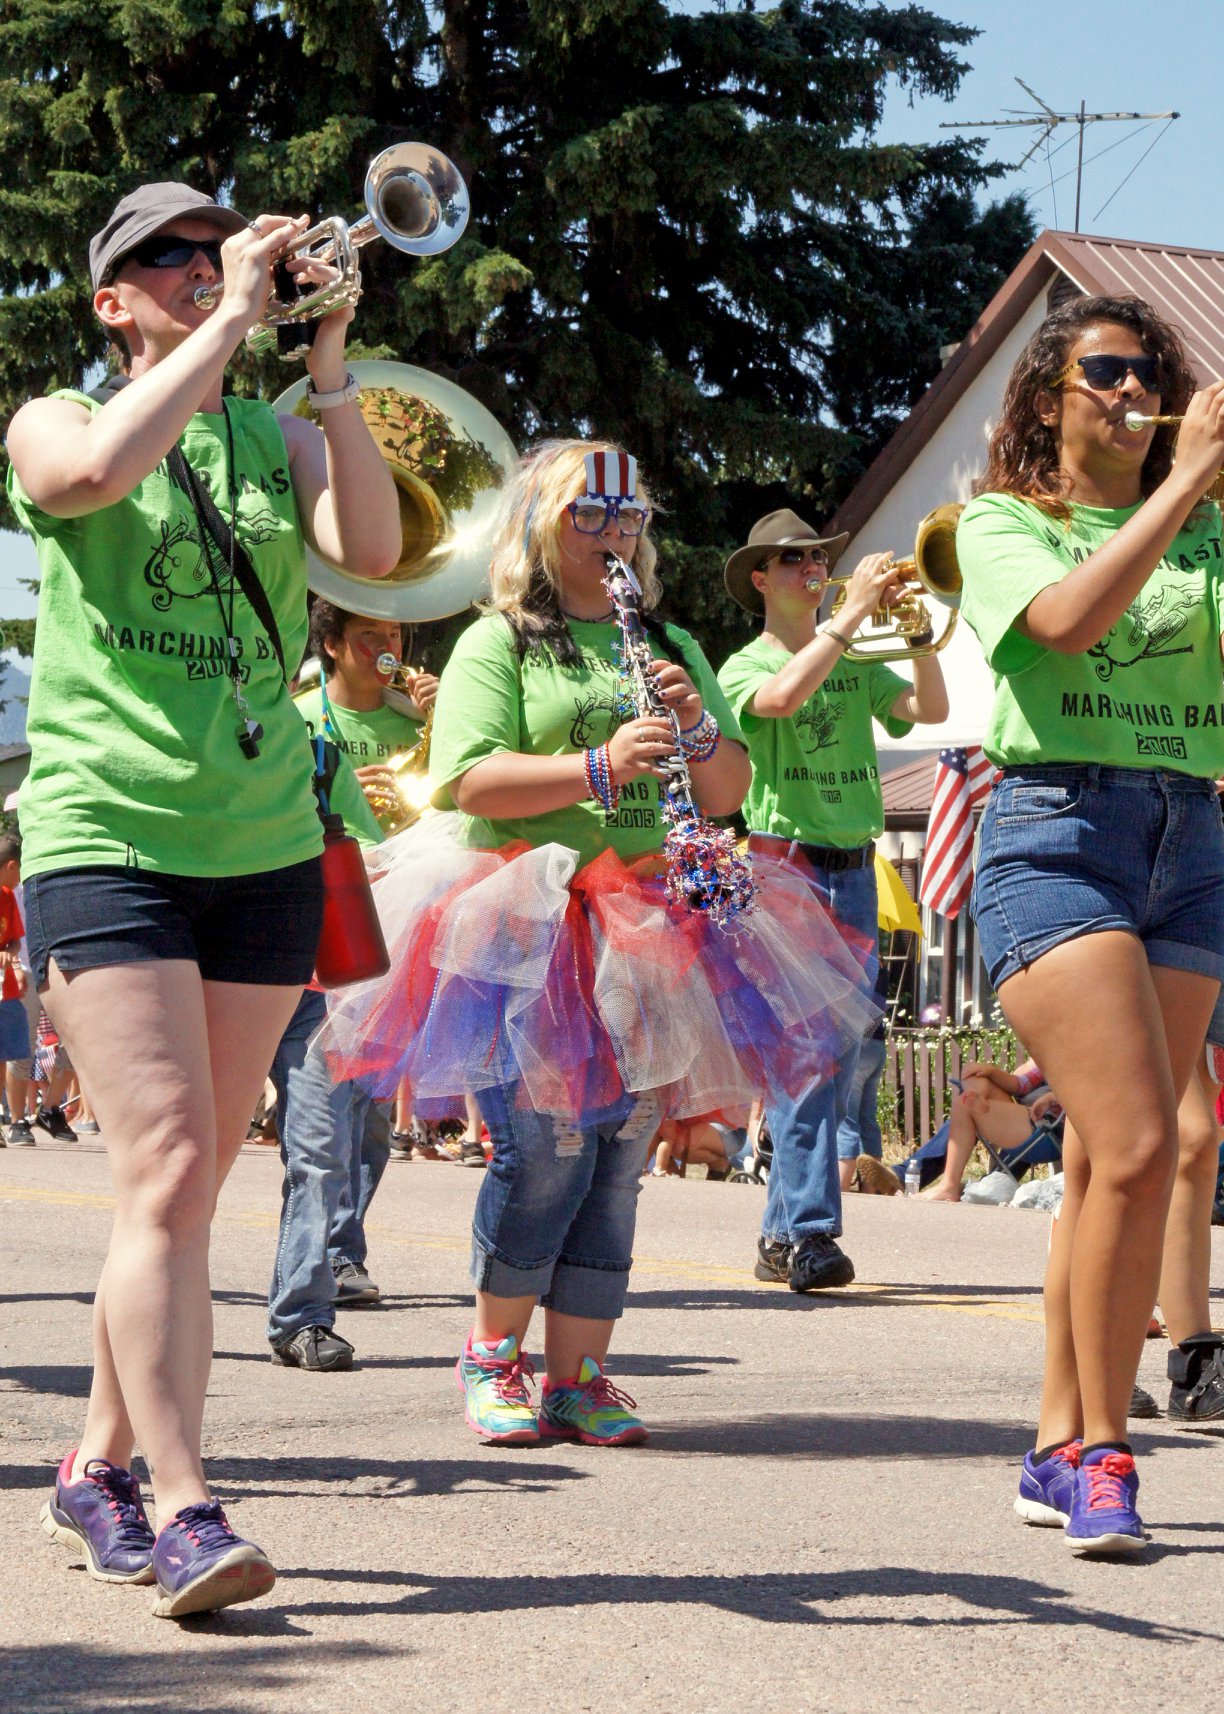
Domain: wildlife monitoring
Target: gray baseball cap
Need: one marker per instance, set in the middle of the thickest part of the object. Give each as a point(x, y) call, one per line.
point(145, 211)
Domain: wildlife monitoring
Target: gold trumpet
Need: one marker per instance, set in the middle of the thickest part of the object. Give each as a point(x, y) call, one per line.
point(398, 807)
point(904, 629)
point(1136, 422)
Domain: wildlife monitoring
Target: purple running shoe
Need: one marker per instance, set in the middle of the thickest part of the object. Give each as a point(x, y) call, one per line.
point(1103, 1517)
point(101, 1516)
point(200, 1564)
point(1046, 1488)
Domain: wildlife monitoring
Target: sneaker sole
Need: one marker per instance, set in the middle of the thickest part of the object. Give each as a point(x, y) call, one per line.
point(1091, 1547)
point(57, 1528)
point(288, 1360)
point(838, 1277)
point(630, 1436)
point(357, 1300)
point(771, 1276)
point(1034, 1512)
point(243, 1575)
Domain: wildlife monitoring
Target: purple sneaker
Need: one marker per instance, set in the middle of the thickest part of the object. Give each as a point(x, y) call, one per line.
point(200, 1564)
point(1046, 1488)
point(101, 1516)
point(1103, 1518)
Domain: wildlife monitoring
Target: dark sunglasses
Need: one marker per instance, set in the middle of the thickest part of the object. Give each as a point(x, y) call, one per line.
point(1104, 373)
point(796, 556)
point(171, 250)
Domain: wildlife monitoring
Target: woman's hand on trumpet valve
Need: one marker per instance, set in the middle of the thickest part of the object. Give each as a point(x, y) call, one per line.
point(874, 583)
point(1200, 439)
point(247, 260)
point(639, 746)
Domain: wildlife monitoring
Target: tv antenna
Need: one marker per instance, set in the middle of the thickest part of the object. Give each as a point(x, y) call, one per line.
point(1048, 121)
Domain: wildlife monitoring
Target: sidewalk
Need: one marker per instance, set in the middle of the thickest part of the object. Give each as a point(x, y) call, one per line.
point(821, 1520)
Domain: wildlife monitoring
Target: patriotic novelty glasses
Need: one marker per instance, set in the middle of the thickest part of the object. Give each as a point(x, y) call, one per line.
point(1104, 373)
point(592, 515)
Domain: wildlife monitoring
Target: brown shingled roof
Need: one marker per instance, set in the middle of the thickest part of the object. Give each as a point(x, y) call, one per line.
point(1184, 286)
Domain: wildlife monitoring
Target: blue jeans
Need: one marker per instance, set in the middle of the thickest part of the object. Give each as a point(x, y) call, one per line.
point(859, 1132)
point(335, 1142)
point(804, 1195)
point(557, 1207)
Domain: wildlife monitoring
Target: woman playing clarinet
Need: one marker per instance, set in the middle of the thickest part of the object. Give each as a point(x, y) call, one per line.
point(567, 961)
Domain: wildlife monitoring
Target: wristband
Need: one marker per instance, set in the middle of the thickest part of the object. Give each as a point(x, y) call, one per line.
point(600, 784)
point(700, 742)
point(828, 631)
point(340, 396)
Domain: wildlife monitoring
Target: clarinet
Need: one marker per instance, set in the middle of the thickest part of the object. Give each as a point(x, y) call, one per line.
point(705, 872)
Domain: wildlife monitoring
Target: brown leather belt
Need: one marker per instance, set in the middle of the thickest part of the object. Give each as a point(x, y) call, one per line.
point(831, 857)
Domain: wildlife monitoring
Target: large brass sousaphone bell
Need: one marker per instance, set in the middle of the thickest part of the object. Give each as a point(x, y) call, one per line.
point(449, 458)
point(904, 629)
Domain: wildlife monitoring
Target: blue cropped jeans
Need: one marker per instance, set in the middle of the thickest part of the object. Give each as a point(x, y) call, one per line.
point(804, 1195)
point(557, 1208)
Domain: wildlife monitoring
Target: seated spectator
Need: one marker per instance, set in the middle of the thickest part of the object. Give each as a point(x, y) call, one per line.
point(695, 1142)
point(1000, 1107)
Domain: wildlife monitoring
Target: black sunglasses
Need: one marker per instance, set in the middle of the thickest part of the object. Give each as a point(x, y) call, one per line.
point(171, 250)
point(1105, 373)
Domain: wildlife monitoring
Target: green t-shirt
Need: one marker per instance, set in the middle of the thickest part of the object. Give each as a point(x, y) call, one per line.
point(489, 703)
point(132, 723)
point(366, 738)
point(815, 775)
point(1148, 695)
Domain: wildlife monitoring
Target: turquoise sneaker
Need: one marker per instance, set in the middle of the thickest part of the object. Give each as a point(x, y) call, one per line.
point(493, 1380)
point(589, 1409)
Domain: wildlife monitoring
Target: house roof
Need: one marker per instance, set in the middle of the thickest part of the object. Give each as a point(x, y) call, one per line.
point(908, 790)
point(1186, 287)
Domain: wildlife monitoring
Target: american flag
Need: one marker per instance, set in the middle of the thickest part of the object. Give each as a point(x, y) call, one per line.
point(962, 780)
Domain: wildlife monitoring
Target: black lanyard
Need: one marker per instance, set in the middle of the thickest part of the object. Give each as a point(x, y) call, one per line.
point(248, 731)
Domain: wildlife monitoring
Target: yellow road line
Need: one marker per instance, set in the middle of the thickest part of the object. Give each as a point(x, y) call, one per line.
point(654, 1267)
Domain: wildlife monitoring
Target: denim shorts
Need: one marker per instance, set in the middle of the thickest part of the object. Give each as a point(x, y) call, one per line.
point(1068, 851)
point(237, 928)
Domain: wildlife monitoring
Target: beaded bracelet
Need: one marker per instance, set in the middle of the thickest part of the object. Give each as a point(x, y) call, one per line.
point(700, 742)
point(600, 784)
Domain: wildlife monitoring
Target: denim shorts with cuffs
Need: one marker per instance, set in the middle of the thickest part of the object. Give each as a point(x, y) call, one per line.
point(249, 929)
point(1073, 850)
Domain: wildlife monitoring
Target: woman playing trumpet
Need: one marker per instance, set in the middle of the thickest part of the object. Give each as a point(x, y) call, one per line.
point(171, 841)
point(1092, 576)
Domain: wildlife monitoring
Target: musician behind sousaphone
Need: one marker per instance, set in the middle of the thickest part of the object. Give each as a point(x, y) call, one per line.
point(806, 713)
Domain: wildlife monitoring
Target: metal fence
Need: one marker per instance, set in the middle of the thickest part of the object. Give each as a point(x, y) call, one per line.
point(914, 1091)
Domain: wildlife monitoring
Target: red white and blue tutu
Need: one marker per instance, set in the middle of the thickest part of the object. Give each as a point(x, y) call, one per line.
point(580, 986)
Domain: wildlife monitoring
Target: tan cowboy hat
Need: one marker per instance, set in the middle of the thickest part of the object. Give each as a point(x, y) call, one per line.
point(784, 529)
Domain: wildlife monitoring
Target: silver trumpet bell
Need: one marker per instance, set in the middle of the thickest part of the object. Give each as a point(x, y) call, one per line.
point(415, 199)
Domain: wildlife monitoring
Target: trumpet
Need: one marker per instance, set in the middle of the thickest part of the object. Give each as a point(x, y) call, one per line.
point(415, 198)
point(405, 802)
point(904, 629)
point(1136, 422)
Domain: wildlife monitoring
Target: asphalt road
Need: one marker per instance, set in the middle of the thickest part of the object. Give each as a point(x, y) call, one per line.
point(821, 1520)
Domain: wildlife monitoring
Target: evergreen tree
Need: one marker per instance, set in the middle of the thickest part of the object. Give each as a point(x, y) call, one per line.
point(684, 234)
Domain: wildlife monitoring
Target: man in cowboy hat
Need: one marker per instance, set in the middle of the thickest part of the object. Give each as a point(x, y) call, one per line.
point(806, 714)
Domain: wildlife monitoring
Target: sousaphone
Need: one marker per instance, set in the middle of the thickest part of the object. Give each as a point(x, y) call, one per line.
point(449, 458)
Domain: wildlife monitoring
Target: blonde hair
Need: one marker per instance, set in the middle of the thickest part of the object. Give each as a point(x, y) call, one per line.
point(525, 571)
